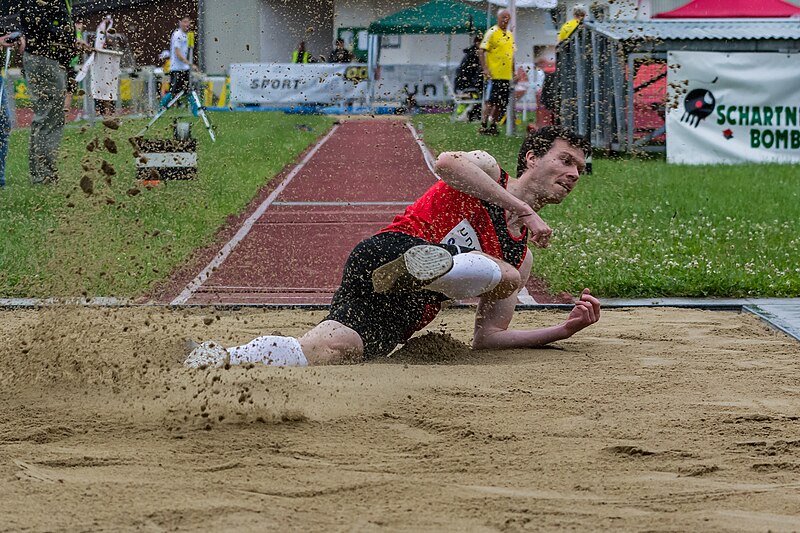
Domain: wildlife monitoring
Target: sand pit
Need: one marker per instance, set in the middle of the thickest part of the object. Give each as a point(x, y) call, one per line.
point(659, 419)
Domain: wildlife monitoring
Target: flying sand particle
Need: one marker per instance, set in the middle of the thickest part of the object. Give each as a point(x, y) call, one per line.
point(110, 145)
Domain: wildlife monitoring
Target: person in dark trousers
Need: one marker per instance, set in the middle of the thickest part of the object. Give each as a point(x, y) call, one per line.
point(179, 63)
point(49, 38)
point(469, 79)
point(72, 70)
point(497, 61)
point(341, 54)
point(7, 116)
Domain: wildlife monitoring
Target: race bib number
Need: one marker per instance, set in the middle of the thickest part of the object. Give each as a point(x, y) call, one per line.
point(463, 235)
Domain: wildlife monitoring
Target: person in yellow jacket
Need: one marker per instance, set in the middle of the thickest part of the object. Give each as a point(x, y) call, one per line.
point(569, 27)
point(496, 54)
point(165, 73)
point(300, 55)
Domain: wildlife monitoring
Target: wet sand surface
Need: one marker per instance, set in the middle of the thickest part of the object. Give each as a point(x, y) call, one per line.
point(654, 420)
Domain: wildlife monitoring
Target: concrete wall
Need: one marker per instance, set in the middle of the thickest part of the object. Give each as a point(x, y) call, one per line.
point(285, 23)
point(231, 33)
point(535, 28)
point(268, 31)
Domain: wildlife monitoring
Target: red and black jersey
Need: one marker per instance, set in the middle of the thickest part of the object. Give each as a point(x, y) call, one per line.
point(445, 215)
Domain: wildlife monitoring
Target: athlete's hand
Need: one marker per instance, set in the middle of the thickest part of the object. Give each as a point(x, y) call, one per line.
point(538, 231)
point(585, 313)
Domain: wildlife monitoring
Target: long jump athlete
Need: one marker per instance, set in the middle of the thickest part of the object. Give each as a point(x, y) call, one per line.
point(467, 236)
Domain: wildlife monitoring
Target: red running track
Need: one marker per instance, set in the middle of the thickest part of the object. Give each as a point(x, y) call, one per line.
point(292, 249)
point(363, 174)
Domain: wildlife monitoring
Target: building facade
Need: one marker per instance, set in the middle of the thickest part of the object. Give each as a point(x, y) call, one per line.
point(268, 31)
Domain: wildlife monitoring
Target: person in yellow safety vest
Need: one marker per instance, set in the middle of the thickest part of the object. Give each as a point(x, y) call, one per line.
point(72, 85)
point(164, 56)
point(569, 27)
point(300, 55)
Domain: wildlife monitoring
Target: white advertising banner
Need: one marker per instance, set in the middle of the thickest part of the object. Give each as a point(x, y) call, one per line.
point(319, 83)
point(301, 84)
point(733, 107)
point(424, 82)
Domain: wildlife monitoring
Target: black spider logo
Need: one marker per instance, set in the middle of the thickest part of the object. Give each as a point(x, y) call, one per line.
point(697, 105)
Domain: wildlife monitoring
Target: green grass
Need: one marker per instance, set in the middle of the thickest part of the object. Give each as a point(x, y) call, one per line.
point(124, 239)
point(643, 228)
point(635, 228)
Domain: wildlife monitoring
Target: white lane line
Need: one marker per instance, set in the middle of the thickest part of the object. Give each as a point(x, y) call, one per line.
point(226, 250)
point(343, 203)
point(426, 154)
point(524, 297)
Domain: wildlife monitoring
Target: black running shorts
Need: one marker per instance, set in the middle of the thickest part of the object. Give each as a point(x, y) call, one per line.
point(178, 81)
point(382, 320)
point(497, 92)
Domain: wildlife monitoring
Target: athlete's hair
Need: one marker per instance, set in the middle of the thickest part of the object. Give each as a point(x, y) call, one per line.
point(540, 141)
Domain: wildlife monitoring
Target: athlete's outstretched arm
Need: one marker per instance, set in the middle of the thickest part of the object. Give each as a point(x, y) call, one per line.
point(493, 318)
point(477, 174)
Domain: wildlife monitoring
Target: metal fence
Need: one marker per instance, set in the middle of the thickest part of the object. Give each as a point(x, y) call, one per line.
point(610, 93)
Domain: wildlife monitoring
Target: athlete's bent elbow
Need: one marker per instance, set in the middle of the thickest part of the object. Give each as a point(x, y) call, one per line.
point(444, 163)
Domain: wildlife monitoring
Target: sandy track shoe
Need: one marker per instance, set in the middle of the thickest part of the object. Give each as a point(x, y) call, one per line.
point(417, 267)
point(207, 354)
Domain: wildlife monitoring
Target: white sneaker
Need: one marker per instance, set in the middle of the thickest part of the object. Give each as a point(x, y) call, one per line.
point(207, 354)
point(417, 267)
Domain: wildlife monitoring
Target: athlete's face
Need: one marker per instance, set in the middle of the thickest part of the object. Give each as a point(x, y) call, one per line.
point(185, 23)
point(557, 172)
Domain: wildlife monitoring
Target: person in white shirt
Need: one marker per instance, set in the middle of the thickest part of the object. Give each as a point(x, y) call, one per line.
point(179, 64)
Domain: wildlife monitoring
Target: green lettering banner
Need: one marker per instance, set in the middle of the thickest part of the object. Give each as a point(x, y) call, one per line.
point(733, 107)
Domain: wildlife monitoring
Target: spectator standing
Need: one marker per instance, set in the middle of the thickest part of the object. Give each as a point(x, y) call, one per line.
point(164, 56)
point(341, 54)
point(469, 74)
point(5, 129)
point(72, 68)
point(179, 65)
point(569, 27)
point(49, 44)
point(6, 118)
point(496, 55)
point(300, 55)
point(469, 79)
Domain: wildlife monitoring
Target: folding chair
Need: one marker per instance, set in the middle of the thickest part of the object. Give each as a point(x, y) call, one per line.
point(459, 99)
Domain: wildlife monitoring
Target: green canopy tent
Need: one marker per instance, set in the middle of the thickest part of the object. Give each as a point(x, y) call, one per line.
point(434, 17)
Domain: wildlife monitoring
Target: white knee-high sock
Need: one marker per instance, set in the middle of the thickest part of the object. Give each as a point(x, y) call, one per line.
point(271, 350)
point(471, 275)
